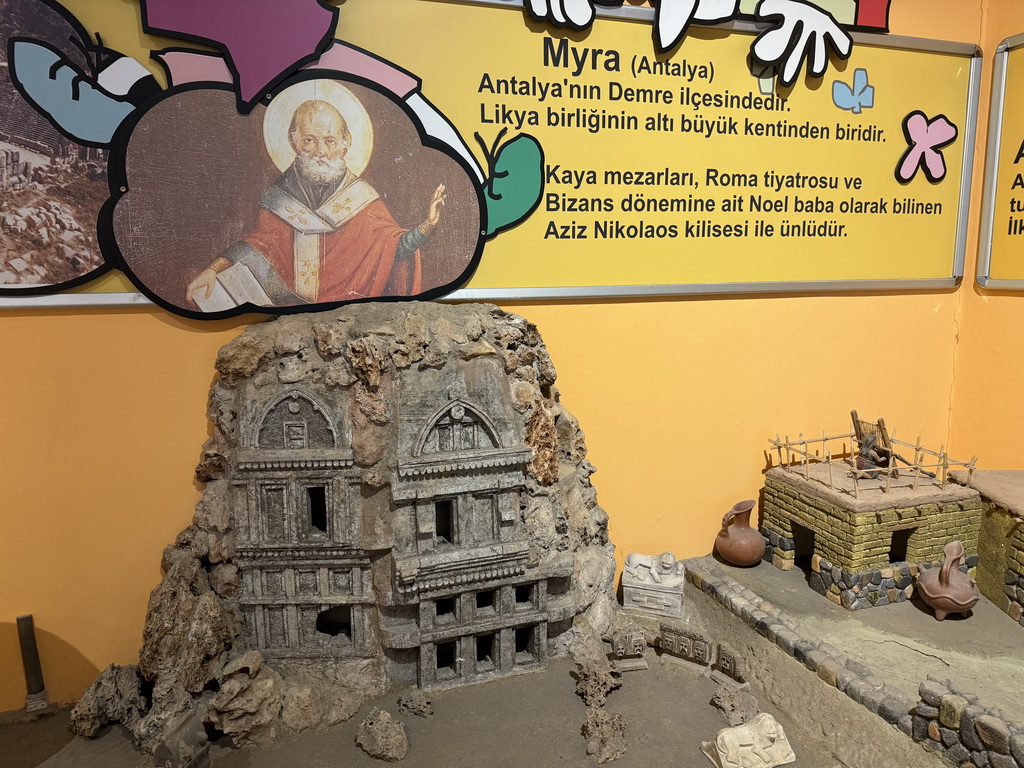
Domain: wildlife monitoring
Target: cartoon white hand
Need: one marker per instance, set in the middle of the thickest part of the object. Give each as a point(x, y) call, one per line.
point(578, 14)
point(673, 17)
point(798, 31)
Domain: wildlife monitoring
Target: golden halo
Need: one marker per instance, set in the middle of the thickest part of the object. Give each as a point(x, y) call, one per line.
point(278, 119)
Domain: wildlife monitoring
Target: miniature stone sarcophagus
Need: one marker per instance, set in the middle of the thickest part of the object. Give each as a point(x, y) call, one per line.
point(653, 584)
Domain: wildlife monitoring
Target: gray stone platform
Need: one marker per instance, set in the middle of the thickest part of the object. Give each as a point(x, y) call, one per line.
point(954, 686)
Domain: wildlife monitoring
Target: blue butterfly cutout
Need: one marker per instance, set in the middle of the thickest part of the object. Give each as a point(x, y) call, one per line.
point(860, 97)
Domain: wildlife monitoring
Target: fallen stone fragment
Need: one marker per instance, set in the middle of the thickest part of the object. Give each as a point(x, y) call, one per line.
point(382, 737)
point(115, 696)
point(415, 702)
point(605, 734)
point(595, 675)
point(249, 703)
point(738, 705)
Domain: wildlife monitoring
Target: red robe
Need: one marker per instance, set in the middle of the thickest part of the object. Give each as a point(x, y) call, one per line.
point(356, 261)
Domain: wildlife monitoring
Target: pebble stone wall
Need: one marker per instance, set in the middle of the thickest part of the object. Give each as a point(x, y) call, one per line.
point(948, 722)
point(954, 724)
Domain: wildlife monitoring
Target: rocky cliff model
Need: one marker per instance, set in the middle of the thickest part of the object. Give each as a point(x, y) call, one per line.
point(394, 494)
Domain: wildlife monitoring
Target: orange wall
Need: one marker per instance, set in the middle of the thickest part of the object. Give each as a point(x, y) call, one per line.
point(990, 367)
point(106, 417)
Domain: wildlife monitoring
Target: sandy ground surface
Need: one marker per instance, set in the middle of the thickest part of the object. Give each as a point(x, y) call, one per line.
point(1003, 486)
point(839, 488)
point(534, 720)
point(903, 643)
point(521, 722)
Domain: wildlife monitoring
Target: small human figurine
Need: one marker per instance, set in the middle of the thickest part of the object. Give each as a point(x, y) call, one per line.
point(872, 456)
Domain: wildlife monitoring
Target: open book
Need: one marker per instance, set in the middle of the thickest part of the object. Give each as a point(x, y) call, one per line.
point(235, 286)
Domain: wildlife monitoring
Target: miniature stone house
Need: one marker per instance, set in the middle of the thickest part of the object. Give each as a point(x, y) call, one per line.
point(864, 552)
point(867, 518)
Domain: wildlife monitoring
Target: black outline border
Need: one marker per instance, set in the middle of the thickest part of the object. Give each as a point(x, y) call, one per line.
point(118, 181)
point(491, 153)
point(568, 24)
point(86, 40)
point(798, 28)
point(737, 14)
point(911, 145)
point(686, 28)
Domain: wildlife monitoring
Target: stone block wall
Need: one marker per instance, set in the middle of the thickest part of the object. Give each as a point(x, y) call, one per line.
point(853, 547)
point(954, 725)
point(834, 535)
point(1014, 579)
point(883, 586)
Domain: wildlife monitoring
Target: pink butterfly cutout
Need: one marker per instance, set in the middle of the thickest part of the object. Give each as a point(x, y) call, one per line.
point(925, 138)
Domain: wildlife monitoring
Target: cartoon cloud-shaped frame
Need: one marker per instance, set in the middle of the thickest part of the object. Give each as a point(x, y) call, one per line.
point(124, 164)
point(78, 50)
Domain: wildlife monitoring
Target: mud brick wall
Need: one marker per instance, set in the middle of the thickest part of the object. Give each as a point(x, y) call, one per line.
point(1015, 576)
point(861, 541)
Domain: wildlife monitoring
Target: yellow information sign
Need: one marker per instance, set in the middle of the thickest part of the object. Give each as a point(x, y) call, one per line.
point(692, 172)
point(1001, 258)
point(688, 173)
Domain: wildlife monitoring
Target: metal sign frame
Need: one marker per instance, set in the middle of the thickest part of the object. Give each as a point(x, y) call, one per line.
point(646, 14)
point(995, 137)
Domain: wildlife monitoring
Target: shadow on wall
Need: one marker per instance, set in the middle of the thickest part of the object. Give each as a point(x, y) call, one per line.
point(66, 672)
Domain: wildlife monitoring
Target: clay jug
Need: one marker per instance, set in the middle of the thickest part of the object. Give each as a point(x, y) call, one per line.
point(946, 589)
point(737, 542)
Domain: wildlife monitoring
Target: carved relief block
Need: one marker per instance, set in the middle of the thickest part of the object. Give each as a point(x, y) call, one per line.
point(728, 664)
point(277, 627)
point(341, 582)
point(655, 600)
point(273, 583)
point(688, 645)
point(761, 743)
point(307, 582)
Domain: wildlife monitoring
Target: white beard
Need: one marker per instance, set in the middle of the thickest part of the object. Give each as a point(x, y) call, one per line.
point(320, 170)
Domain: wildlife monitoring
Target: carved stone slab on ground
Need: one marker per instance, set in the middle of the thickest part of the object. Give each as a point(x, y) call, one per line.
point(760, 743)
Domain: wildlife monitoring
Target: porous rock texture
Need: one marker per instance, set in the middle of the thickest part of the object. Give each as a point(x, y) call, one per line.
point(596, 677)
point(738, 706)
point(415, 702)
point(115, 696)
point(203, 659)
point(382, 737)
point(605, 734)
